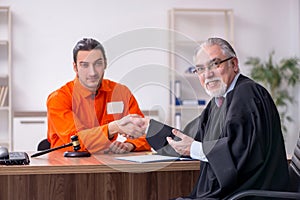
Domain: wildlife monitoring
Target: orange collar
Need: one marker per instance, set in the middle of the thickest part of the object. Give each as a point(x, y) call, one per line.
point(83, 91)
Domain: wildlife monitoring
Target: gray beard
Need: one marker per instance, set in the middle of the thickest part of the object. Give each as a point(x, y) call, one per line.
point(219, 92)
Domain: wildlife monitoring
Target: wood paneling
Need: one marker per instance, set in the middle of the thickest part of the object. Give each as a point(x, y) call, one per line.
point(54, 177)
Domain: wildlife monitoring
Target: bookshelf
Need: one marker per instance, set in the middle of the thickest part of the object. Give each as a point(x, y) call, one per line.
point(188, 28)
point(5, 78)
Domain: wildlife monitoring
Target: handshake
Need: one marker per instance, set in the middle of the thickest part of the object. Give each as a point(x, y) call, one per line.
point(130, 126)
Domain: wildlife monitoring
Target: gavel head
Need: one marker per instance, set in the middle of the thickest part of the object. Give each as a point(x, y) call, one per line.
point(75, 142)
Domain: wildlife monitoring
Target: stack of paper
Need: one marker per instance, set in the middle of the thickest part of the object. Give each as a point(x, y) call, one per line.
point(150, 158)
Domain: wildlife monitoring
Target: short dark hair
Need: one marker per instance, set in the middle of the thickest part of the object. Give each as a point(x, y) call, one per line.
point(87, 44)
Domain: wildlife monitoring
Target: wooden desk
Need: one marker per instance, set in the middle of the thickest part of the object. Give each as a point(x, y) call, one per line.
point(98, 177)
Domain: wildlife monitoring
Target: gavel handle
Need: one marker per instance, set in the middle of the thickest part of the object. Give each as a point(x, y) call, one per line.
point(50, 150)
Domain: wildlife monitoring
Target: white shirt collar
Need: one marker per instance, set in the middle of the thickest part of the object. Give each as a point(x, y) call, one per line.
point(232, 85)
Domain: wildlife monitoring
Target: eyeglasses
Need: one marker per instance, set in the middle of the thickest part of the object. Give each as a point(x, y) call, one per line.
point(211, 65)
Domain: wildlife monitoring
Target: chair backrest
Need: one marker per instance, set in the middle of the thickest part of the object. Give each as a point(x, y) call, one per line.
point(43, 145)
point(294, 169)
point(294, 175)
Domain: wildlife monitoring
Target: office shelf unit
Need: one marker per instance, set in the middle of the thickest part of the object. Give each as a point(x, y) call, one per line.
point(5, 78)
point(188, 28)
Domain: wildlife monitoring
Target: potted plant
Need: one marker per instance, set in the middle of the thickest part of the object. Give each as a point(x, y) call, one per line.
point(279, 79)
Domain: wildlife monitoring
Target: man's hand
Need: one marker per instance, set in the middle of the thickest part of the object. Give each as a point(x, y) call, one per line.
point(132, 126)
point(119, 147)
point(183, 147)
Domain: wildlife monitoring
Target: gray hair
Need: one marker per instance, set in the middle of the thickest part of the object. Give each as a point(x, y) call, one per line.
point(226, 48)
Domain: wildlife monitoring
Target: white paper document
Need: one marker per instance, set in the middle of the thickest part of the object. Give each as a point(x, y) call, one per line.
point(150, 158)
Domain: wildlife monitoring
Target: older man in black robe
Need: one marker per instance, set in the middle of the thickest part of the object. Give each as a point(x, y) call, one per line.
point(238, 136)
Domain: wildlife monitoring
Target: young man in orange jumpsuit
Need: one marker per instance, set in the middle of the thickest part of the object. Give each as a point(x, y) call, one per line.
point(95, 109)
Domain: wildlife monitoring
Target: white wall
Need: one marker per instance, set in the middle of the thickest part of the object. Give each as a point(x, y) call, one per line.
point(45, 32)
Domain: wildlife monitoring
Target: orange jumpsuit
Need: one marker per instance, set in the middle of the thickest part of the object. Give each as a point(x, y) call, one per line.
point(74, 110)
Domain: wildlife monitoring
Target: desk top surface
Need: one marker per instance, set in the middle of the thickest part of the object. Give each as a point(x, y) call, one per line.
point(56, 163)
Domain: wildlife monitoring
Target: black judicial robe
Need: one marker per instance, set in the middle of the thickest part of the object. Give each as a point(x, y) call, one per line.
point(243, 143)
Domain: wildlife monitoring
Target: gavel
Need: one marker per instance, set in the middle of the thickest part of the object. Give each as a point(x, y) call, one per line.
point(76, 146)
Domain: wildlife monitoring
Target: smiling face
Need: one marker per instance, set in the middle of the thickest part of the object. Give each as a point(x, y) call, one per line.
point(89, 68)
point(215, 80)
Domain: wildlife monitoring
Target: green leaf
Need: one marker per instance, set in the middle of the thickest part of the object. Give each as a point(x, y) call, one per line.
point(274, 76)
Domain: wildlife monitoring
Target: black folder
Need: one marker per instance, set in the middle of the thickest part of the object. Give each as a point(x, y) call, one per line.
point(157, 134)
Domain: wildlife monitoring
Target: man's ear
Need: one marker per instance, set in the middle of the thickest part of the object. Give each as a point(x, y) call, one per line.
point(235, 64)
point(75, 67)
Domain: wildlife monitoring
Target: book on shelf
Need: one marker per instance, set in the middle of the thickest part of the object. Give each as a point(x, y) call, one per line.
point(192, 102)
point(178, 89)
point(178, 121)
point(177, 92)
point(189, 102)
point(3, 94)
